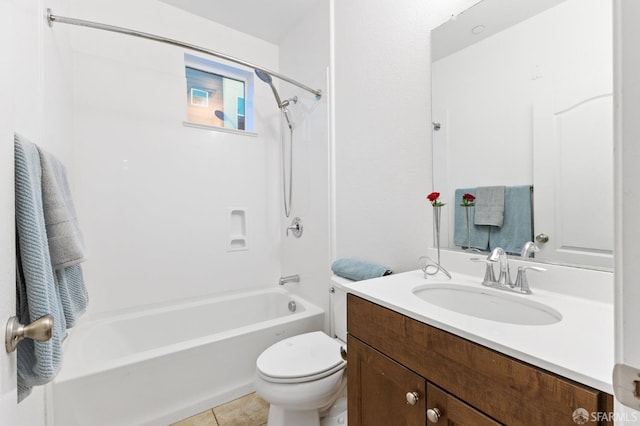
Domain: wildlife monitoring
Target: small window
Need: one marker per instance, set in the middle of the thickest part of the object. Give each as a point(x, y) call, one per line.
point(218, 95)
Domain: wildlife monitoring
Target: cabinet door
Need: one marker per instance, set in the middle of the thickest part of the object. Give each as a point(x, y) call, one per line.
point(450, 411)
point(378, 387)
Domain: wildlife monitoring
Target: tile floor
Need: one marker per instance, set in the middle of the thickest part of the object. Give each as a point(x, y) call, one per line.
point(249, 410)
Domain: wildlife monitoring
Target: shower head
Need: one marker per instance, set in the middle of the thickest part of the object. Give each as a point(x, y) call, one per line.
point(266, 77)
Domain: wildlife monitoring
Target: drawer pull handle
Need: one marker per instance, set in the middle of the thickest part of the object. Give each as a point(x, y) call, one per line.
point(412, 398)
point(433, 414)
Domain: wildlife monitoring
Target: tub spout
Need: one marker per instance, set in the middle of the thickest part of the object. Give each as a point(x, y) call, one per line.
point(289, 279)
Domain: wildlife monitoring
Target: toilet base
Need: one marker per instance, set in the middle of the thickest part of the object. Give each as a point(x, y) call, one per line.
point(281, 417)
point(339, 419)
point(337, 413)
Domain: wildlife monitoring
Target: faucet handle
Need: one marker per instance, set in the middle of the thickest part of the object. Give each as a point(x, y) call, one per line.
point(489, 275)
point(295, 227)
point(521, 279)
point(528, 249)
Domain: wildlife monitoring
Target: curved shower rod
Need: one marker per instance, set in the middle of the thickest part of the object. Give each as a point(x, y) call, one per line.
point(51, 18)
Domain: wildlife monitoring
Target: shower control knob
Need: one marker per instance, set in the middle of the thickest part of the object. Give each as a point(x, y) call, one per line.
point(295, 228)
point(433, 414)
point(542, 238)
point(412, 398)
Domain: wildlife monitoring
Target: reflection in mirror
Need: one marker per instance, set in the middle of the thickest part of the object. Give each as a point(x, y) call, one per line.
point(522, 95)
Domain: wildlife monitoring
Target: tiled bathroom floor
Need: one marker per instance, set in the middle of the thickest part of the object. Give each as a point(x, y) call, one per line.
point(249, 410)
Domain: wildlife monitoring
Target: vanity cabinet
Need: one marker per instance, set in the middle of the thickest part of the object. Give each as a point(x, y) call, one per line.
point(404, 372)
point(384, 392)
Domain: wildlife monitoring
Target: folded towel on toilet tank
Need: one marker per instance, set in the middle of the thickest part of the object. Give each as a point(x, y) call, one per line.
point(358, 270)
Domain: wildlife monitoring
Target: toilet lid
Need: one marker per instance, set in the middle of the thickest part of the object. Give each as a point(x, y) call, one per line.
point(299, 357)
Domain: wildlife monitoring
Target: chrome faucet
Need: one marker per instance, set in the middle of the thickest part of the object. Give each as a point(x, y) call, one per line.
point(504, 279)
point(499, 255)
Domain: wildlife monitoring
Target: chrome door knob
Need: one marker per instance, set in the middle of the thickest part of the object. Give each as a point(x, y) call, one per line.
point(433, 414)
point(40, 330)
point(412, 398)
point(542, 238)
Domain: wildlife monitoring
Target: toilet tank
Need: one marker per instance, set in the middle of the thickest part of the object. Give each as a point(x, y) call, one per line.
point(338, 311)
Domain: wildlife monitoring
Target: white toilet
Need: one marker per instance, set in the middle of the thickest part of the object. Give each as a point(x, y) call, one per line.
point(304, 377)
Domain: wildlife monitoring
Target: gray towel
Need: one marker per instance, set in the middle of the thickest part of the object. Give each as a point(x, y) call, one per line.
point(358, 270)
point(38, 362)
point(489, 205)
point(65, 239)
point(66, 246)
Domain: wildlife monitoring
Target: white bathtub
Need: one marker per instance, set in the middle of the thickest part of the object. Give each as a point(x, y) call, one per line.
point(166, 363)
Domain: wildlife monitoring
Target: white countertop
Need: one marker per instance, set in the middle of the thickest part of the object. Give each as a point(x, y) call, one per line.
point(579, 347)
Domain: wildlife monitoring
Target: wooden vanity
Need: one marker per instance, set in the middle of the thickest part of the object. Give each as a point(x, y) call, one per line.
point(402, 372)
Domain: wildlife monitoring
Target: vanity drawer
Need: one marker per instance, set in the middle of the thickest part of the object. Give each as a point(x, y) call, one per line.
point(452, 411)
point(506, 389)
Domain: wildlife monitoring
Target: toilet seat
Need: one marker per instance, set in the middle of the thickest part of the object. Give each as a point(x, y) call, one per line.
point(298, 359)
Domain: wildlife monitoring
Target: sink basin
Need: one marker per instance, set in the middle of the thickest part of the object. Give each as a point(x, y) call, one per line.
point(491, 305)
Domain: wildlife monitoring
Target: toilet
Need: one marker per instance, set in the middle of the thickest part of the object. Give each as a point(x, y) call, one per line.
point(303, 377)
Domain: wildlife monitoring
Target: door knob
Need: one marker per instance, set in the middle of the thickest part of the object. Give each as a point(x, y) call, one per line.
point(542, 238)
point(40, 330)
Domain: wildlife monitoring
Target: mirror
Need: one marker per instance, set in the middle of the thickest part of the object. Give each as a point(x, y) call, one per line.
point(522, 95)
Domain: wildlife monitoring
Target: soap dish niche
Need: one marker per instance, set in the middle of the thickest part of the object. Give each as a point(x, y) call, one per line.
point(237, 230)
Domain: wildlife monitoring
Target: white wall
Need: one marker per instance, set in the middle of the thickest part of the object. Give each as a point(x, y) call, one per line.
point(151, 190)
point(381, 75)
point(153, 195)
point(304, 56)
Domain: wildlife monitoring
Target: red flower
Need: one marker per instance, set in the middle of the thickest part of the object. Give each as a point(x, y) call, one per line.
point(468, 200)
point(433, 198)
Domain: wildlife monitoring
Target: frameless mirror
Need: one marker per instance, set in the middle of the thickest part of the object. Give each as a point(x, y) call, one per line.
point(522, 95)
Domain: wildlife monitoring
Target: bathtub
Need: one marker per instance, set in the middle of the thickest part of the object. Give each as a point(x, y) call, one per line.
point(165, 363)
